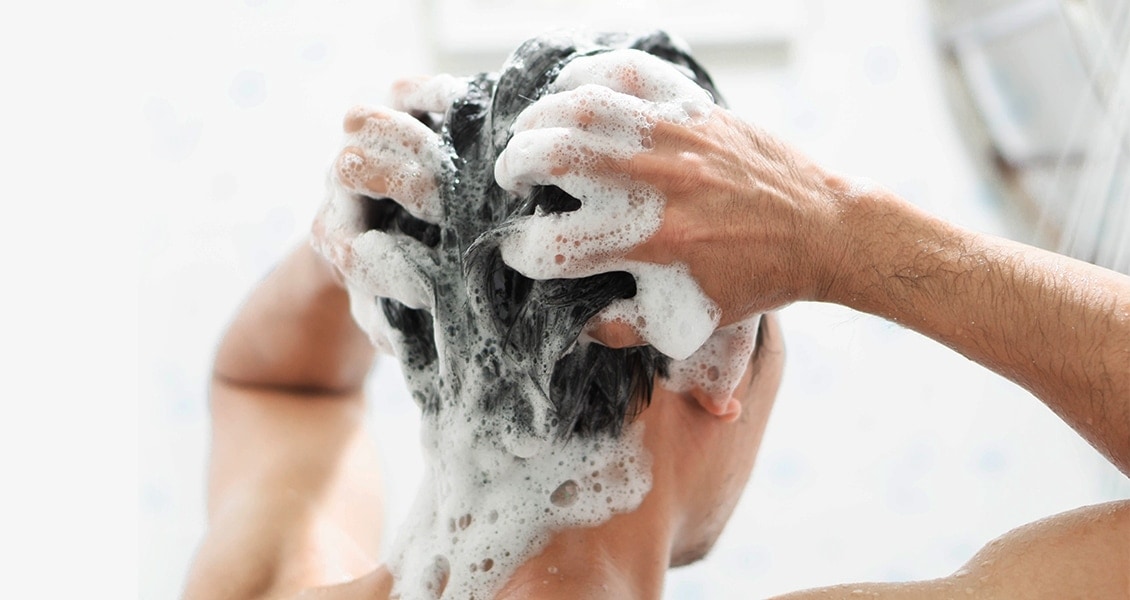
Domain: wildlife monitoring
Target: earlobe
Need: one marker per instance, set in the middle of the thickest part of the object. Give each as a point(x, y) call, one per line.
point(731, 411)
point(727, 409)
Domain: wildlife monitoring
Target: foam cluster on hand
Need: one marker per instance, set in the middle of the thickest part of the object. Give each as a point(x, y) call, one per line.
point(602, 112)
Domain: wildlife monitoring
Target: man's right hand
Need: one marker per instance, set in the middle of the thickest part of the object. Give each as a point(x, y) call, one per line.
point(759, 226)
point(755, 222)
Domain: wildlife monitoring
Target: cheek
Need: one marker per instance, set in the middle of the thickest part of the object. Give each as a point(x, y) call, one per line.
point(741, 461)
point(722, 481)
point(719, 499)
point(745, 436)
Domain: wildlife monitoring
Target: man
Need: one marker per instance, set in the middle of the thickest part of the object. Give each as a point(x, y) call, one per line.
point(293, 492)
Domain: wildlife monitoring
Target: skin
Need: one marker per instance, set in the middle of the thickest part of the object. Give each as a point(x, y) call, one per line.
point(294, 494)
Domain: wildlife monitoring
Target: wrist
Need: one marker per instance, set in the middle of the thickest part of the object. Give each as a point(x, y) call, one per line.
point(864, 236)
point(844, 209)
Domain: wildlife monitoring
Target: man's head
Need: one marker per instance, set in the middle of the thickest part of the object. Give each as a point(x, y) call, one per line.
point(531, 326)
point(494, 358)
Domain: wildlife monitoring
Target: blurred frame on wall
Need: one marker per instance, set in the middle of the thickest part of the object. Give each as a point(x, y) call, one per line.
point(1041, 89)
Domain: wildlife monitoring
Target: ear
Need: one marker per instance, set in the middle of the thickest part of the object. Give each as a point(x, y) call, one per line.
point(726, 408)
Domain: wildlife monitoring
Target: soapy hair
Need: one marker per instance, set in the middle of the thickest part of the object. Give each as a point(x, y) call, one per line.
point(535, 325)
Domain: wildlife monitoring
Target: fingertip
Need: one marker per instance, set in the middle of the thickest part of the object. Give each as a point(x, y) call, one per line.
point(356, 117)
point(403, 89)
point(504, 177)
point(434, 93)
point(537, 157)
point(406, 85)
point(350, 165)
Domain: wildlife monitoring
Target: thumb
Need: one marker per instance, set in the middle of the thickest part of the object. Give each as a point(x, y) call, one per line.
point(613, 333)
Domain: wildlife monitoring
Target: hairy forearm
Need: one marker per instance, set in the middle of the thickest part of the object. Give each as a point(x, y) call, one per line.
point(295, 332)
point(1055, 325)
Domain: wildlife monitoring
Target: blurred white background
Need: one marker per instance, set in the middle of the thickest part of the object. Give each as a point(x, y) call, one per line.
point(888, 457)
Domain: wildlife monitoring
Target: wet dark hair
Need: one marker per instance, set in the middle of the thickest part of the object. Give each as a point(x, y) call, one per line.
point(531, 326)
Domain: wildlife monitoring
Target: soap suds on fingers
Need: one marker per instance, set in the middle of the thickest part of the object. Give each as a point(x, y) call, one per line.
point(390, 154)
point(604, 108)
point(387, 154)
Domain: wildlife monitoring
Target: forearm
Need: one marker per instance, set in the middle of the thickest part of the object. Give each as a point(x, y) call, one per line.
point(1055, 325)
point(295, 331)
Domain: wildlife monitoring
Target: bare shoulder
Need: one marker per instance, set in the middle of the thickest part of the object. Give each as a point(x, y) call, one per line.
point(1083, 553)
point(293, 494)
point(1080, 553)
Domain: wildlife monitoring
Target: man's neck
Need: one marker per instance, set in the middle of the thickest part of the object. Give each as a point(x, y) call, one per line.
point(625, 557)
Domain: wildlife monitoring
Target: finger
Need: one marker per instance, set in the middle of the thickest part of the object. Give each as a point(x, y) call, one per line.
point(592, 239)
point(616, 214)
point(589, 108)
point(408, 182)
point(633, 72)
point(428, 94)
point(374, 262)
point(363, 175)
point(555, 156)
point(371, 319)
point(389, 266)
point(533, 157)
point(582, 163)
point(669, 311)
point(391, 154)
point(614, 334)
point(338, 222)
